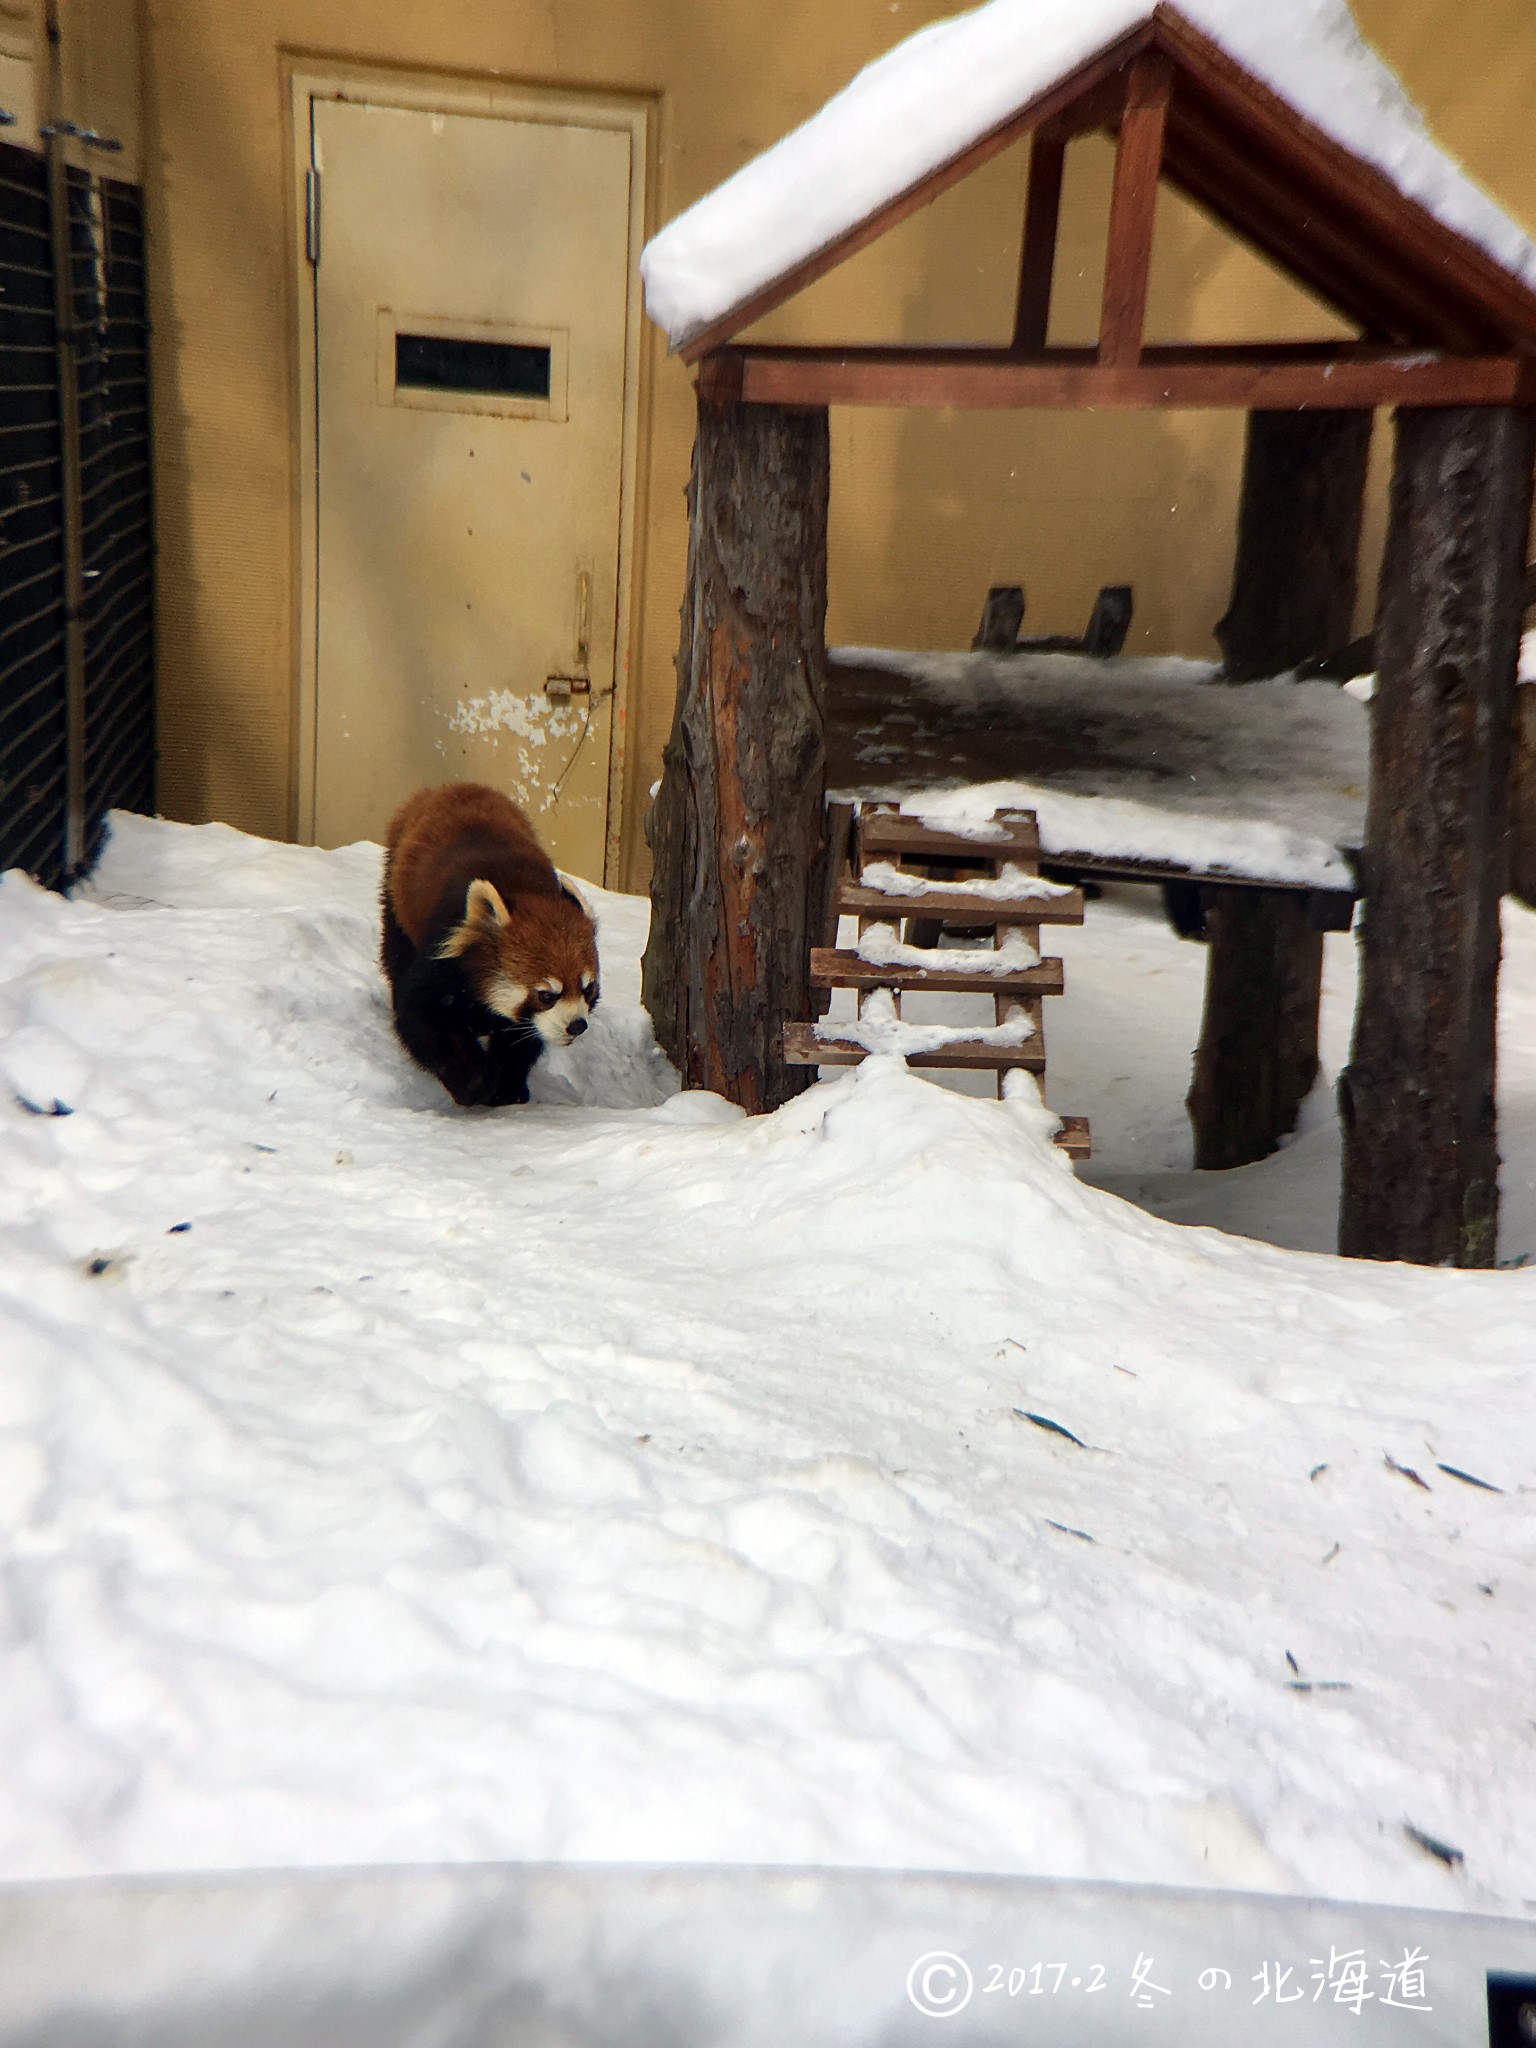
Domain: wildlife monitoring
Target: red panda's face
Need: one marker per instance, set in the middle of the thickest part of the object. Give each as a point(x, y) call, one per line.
point(535, 964)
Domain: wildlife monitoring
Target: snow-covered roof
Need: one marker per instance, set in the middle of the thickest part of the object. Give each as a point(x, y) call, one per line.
point(941, 91)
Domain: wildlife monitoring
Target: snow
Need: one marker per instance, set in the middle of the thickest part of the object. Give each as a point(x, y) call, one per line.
point(1010, 883)
point(1150, 761)
point(932, 96)
point(878, 1029)
point(881, 946)
point(620, 1478)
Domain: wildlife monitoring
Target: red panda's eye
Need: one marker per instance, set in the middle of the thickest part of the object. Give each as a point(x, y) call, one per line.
point(545, 998)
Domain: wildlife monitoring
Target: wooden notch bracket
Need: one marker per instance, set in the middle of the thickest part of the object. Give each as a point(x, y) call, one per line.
point(1133, 208)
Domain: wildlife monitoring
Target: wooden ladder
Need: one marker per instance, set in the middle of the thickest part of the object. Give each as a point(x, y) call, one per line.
point(920, 875)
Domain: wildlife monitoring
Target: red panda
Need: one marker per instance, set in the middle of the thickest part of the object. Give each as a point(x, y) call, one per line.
point(490, 955)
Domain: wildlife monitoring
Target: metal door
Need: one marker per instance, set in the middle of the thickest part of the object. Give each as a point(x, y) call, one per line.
point(471, 294)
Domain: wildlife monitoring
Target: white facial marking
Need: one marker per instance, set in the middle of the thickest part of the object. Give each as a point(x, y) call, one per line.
point(506, 997)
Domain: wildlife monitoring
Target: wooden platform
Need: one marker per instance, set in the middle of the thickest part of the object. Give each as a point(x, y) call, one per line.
point(890, 731)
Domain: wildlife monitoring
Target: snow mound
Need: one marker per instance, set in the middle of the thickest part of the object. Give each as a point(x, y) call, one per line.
point(621, 1478)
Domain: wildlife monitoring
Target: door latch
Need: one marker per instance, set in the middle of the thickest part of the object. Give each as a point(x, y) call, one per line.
point(560, 689)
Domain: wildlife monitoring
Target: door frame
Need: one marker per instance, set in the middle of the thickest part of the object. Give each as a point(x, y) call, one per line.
point(429, 93)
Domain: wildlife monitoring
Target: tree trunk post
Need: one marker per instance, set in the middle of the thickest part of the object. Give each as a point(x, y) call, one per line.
point(1417, 1100)
point(1293, 599)
point(738, 823)
point(1522, 799)
point(1298, 542)
point(1258, 1045)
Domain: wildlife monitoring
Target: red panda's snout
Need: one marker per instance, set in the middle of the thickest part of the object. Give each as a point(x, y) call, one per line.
point(557, 1011)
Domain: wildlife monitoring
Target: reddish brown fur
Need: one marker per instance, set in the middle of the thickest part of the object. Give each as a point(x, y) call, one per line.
point(461, 959)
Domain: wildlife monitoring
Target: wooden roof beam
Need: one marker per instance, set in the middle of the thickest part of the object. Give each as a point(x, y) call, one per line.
point(1133, 208)
point(1039, 111)
point(1285, 216)
point(1163, 379)
point(1344, 185)
point(1037, 261)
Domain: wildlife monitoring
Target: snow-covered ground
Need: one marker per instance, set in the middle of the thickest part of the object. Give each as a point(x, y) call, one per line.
point(620, 1478)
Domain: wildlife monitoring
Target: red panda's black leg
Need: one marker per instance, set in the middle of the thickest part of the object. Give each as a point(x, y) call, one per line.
point(436, 1020)
point(396, 952)
point(509, 1057)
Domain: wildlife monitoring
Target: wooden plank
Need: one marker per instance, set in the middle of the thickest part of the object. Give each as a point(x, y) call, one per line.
point(1091, 112)
point(980, 379)
point(834, 859)
point(1355, 189)
point(892, 832)
point(1420, 1178)
point(802, 1048)
point(854, 898)
point(831, 968)
point(1133, 208)
point(840, 818)
point(1323, 905)
point(1037, 258)
point(1073, 1137)
point(922, 193)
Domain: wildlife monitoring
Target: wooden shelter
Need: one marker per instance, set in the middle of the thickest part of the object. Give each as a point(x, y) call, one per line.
point(1446, 338)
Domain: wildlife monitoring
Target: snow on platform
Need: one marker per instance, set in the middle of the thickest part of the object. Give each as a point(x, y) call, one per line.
point(928, 99)
point(1142, 759)
point(619, 1478)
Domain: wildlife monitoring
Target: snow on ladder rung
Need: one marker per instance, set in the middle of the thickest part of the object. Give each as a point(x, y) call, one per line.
point(957, 906)
point(831, 968)
point(803, 1047)
point(889, 832)
point(885, 838)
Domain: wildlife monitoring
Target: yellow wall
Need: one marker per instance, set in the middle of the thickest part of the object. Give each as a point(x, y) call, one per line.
point(89, 72)
point(928, 510)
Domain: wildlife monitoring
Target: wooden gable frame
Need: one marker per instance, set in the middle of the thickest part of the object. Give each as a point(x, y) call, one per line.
point(1446, 336)
point(1441, 321)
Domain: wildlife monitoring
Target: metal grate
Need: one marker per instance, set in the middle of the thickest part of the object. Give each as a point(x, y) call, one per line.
point(112, 357)
point(33, 718)
point(105, 319)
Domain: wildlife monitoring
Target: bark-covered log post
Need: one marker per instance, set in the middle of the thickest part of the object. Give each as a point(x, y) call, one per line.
point(1293, 600)
point(1522, 799)
point(1417, 1100)
point(738, 824)
point(1298, 542)
point(1258, 1041)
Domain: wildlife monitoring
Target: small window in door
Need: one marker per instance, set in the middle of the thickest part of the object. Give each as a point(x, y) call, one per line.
point(471, 366)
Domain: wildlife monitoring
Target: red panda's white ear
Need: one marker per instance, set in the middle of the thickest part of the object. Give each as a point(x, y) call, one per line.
point(571, 889)
point(484, 910)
